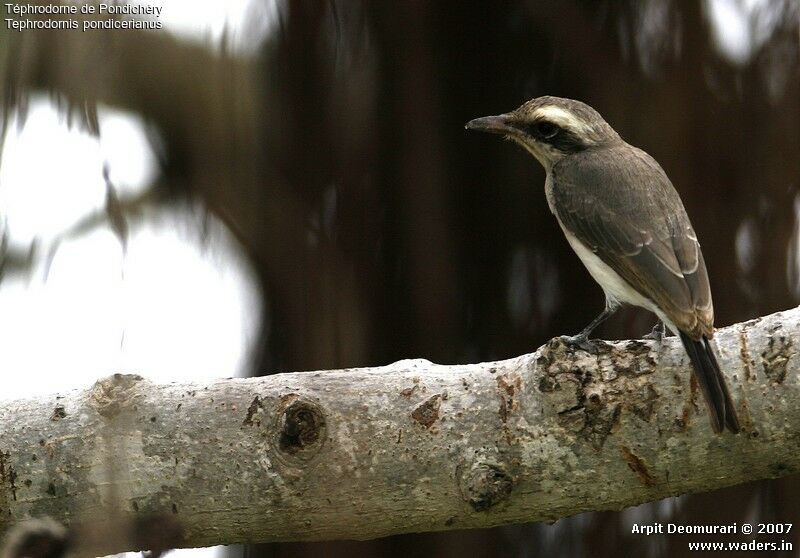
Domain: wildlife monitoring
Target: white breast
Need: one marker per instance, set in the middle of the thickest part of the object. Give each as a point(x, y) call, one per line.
point(616, 289)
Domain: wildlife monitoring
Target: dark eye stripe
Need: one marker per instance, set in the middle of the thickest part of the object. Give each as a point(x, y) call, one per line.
point(545, 129)
point(567, 141)
point(563, 139)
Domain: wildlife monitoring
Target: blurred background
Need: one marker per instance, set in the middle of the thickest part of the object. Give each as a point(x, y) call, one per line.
point(277, 185)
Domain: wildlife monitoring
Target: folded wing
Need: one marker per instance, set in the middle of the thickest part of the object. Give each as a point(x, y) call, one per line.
point(644, 234)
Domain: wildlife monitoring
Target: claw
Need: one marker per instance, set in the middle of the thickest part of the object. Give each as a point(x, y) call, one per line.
point(658, 333)
point(580, 342)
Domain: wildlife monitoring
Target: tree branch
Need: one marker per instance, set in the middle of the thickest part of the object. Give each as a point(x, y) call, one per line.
point(413, 446)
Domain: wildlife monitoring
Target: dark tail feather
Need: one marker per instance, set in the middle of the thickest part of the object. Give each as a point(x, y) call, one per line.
point(712, 383)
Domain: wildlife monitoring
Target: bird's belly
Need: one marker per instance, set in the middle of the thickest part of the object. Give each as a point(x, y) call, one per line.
point(614, 286)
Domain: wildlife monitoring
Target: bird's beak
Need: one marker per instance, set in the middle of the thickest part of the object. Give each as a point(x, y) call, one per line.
point(500, 124)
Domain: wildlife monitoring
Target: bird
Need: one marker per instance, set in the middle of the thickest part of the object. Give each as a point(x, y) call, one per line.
point(626, 222)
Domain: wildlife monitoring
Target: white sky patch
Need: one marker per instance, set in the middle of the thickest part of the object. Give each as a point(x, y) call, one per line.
point(169, 309)
point(124, 145)
point(741, 27)
point(746, 245)
point(63, 334)
point(194, 19)
point(245, 22)
point(50, 175)
point(188, 313)
point(39, 169)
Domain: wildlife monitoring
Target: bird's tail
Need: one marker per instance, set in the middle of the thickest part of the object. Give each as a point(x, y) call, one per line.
point(712, 383)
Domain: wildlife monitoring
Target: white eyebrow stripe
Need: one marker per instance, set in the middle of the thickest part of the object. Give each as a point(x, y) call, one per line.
point(561, 117)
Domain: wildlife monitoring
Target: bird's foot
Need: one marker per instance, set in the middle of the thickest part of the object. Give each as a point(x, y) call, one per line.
point(658, 333)
point(579, 342)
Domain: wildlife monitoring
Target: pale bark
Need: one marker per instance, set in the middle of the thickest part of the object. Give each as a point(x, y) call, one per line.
point(413, 446)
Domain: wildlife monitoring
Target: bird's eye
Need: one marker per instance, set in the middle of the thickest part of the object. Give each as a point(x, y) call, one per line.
point(545, 129)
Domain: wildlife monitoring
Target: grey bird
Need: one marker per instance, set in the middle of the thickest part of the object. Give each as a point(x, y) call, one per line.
point(624, 219)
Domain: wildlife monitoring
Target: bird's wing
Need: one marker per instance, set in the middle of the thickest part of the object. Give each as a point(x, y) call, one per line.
point(621, 205)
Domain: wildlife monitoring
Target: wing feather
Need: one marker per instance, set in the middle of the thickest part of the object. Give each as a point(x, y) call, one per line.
point(619, 202)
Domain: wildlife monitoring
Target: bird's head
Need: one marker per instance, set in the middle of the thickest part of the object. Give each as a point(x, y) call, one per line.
point(551, 128)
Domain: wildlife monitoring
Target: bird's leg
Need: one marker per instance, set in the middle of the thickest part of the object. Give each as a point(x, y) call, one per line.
point(582, 339)
point(658, 333)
